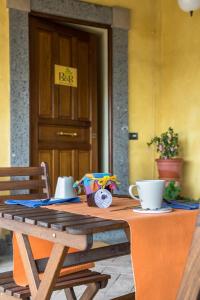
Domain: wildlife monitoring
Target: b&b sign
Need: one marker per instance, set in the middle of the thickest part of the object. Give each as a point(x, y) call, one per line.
point(65, 76)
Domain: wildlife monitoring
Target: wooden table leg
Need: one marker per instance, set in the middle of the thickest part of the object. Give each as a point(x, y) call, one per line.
point(28, 262)
point(90, 291)
point(70, 294)
point(51, 273)
point(41, 289)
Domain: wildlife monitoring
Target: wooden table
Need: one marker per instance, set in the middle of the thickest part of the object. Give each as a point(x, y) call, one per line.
point(64, 230)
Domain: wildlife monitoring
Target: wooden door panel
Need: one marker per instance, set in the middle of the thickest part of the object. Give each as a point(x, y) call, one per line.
point(84, 163)
point(47, 156)
point(83, 81)
point(64, 92)
point(44, 78)
point(67, 163)
point(64, 134)
point(63, 118)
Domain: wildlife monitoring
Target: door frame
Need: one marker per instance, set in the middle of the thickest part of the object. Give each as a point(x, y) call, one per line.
point(116, 17)
point(66, 20)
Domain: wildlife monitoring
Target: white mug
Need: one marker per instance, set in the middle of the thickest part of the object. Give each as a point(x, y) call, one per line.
point(150, 193)
point(64, 188)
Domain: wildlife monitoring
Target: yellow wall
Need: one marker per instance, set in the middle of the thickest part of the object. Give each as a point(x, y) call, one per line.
point(179, 104)
point(144, 76)
point(164, 76)
point(4, 87)
point(164, 84)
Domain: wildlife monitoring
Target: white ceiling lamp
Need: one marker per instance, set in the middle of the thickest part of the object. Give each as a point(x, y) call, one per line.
point(189, 5)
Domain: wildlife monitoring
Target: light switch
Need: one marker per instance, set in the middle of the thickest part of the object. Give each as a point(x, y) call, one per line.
point(133, 135)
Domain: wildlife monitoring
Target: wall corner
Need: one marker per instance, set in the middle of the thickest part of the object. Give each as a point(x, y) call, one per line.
point(121, 18)
point(24, 5)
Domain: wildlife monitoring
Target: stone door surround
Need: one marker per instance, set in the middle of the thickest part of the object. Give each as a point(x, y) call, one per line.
point(118, 19)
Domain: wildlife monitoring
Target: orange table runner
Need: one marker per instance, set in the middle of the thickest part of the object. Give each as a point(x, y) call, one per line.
point(159, 245)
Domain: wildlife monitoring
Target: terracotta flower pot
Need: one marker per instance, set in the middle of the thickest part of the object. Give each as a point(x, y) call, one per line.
point(170, 169)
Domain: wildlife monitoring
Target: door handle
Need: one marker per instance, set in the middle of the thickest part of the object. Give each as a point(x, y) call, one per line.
point(62, 133)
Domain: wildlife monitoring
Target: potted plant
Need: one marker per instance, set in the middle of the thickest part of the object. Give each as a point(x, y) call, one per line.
point(169, 165)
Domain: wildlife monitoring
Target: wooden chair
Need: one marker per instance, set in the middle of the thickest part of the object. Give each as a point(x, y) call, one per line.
point(35, 185)
point(190, 285)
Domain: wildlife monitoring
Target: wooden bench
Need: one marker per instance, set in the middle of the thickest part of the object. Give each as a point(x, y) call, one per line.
point(10, 290)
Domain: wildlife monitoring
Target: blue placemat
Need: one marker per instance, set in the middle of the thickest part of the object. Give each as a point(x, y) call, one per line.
point(178, 204)
point(37, 203)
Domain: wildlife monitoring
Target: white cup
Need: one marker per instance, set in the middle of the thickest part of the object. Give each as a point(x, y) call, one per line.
point(64, 188)
point(150, 193)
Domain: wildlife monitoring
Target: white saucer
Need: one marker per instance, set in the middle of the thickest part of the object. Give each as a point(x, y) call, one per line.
point(162, 210)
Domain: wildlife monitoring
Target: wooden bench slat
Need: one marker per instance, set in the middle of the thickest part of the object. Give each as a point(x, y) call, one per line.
point(8, 285)
point(18, 289)
point(81, 281)
point(6, 275)
point(71, 280)
point(76, 275)
point(22, 184)
point(5, 280)
point(21, 171)
point(22, 294)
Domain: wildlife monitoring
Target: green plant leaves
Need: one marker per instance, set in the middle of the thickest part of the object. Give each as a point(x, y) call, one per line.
point(167, 144)
point(172, 191)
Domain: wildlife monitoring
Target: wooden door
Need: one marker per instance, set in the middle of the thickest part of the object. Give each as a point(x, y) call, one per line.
point(63, 119)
